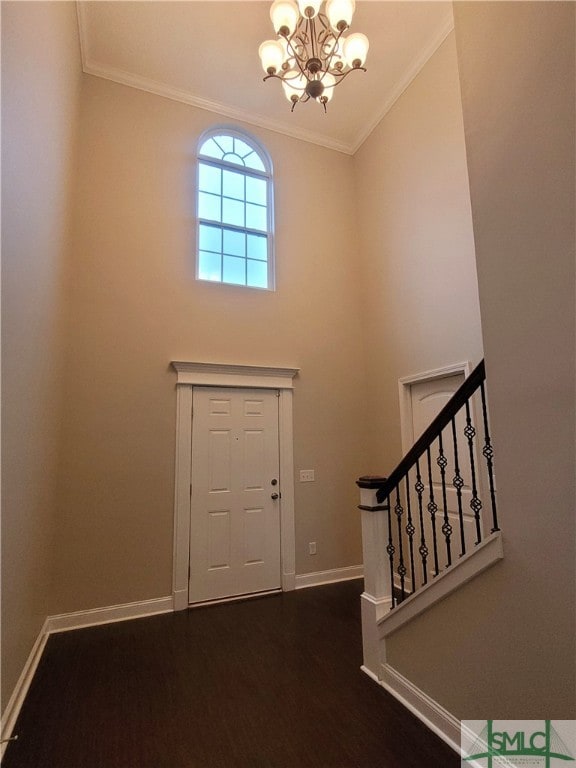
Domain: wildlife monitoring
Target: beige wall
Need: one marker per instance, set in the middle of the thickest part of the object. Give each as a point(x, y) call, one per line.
point(511, 651)
point(133, 306)
point(40, 82)
point(420, 288)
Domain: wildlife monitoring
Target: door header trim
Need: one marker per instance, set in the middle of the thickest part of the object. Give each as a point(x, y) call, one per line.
point(232, 375)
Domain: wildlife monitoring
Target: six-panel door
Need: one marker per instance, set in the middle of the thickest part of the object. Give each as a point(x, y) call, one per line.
point(235, 521)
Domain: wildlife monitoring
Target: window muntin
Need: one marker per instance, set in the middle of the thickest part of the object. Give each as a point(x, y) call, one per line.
point(234, 206)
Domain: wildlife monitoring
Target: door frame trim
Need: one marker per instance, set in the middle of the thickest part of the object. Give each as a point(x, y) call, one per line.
point(404, 385)
point(191, 374)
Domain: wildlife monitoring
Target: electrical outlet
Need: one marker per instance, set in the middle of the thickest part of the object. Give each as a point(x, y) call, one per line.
point(306, 475)
point(312, 548)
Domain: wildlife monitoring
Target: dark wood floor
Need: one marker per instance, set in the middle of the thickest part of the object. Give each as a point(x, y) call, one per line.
point(268, 683)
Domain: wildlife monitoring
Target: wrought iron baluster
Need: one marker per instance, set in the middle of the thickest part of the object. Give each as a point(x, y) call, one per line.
point(391, 549)
point(442, 462)
point(399, 511)
point(416, 555)
point(475, 502)
point(458, 483)
point(422, 549)
point(488, 454)
point(432, 509)
point(410, 530)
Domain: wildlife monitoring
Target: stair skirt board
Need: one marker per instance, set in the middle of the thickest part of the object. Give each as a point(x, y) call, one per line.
point(428, 711)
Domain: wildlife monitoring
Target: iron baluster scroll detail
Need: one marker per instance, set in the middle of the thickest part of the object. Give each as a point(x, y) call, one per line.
point(399, 511)
point(454, 495)
point(410, 530)
point(391, 549)
point(422, 549)
point(442, 462)
point(432, 509)
point(458, 484)
point(488, 454)
point(475, 503)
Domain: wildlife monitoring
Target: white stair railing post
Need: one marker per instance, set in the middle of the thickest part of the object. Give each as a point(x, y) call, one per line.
point(377, 596)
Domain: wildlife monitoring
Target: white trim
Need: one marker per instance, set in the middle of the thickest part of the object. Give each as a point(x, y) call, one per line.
point(370, 674)
point(10, 714)
point(428, 711)
point(109, 614)
point(234, 113)
point(62, 623)
point(404, 395)
point(287, 500)
point(91, 67)
point(288, 582)
point(412, 71)
point(192, 374)
point(182, 498)
point(317, 578)
point(224, 375)
point(267, 176)
point(235, 598)
point(486, 554)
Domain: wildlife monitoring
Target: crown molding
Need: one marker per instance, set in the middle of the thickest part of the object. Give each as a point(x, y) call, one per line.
point(177, 94)
point(411, 72)
point(158, 88)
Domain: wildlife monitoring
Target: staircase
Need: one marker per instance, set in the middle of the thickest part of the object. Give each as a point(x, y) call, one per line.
point(432, 524)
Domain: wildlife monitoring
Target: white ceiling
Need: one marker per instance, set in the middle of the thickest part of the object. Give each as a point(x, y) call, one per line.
point(205, 53)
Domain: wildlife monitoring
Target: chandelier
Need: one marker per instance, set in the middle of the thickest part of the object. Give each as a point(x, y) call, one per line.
point(311, 55)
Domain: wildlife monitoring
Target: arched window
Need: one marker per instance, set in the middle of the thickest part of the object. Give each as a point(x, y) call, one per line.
point(234, 207)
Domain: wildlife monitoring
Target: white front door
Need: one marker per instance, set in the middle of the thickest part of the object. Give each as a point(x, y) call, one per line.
point(235, 504)
point(427, 398)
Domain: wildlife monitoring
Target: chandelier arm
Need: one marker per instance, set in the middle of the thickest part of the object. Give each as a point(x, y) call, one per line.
point(284, 80)
point(312, 27)
point(328, 59)
point(299, 48)
point(342, 75)
point(323, 19)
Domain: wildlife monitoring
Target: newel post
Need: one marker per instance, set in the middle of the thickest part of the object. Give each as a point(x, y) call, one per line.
point(377, 595)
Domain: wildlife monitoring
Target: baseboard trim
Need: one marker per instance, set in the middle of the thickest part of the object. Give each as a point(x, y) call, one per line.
point(305, 580)
point(10, 714)
point(432, 714)
point(110, 614)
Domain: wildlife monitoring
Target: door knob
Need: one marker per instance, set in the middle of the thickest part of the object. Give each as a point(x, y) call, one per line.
point(274, 496)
